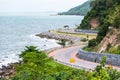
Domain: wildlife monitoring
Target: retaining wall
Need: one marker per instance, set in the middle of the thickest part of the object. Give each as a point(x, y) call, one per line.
point(86, 31)
point(111, 59)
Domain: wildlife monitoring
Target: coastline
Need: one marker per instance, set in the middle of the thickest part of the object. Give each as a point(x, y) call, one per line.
point(8, 71)
point(76, 41)
point(50, 35)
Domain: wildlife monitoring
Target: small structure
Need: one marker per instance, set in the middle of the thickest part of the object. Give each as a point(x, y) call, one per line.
point(66, 27)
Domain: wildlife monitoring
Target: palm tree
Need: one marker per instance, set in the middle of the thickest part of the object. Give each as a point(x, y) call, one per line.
point(29, 49)
point(62, 42)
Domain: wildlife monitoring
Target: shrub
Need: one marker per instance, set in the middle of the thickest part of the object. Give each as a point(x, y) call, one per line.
point(92, 43)
point(108, 46)
point(114, 50)
point(87, 49)
point(83, 39)
point(62, 42)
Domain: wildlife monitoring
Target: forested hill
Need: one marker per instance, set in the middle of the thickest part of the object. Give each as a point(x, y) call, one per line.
point(105, 14)
point(79, 10)
point(103, 11)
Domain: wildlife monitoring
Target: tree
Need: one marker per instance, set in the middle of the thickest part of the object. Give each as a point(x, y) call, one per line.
point(109, 3)
point(100, 72)
point(116, 23)
point(29, 49)
point(62, 42)
point(92, 43)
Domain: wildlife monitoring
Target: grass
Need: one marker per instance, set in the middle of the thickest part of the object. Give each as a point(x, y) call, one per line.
point(90, 36)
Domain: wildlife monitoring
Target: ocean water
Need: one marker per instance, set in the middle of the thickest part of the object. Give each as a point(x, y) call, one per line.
point(16, 32)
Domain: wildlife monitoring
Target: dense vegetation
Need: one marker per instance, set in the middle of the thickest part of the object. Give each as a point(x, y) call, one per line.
point(35, 65)
point(112, 49)
point(79, 10)
point(108, 14)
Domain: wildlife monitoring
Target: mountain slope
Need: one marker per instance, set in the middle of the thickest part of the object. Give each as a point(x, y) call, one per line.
point(111, 41)
point(79, 10)
point(105, 14)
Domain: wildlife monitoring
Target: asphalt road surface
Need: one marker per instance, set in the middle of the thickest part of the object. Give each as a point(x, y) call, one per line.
point(64, 55)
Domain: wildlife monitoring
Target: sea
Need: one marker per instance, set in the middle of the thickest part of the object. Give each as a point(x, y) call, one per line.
point(18, 31)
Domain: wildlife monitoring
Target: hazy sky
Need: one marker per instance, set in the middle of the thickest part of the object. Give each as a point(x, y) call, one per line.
point(37, 5)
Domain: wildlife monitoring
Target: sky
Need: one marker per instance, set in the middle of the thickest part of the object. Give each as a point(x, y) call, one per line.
point(17, 6)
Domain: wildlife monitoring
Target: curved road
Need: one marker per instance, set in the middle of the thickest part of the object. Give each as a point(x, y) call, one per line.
point(64, 55)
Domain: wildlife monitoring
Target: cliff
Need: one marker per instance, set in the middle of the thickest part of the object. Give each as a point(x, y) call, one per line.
point(112, 39)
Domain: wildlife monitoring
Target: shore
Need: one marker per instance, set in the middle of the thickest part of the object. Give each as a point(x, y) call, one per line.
point(7, 71)
point(50, 35)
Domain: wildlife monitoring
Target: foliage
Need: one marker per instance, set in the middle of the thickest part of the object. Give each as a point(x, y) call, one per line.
point(79, 10)
point(113, 17)
point(92, 43)
point(108, 14)
point(37, 66)
point(114, 74)
point(102, 32)
point(87, 49)
point(62, 42)
point(114, 50)
point(29, 49)
point(108, 46)
point(103, 73)
point(84, 39)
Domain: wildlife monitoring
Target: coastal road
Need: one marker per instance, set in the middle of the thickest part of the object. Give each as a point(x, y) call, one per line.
point(64, 55)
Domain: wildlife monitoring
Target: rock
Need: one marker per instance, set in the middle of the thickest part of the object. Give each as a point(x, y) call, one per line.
point(7, 71)
point(58, 36)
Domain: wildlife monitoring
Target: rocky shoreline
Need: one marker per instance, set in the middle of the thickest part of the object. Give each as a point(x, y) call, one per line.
point(50, 35)
point(8, 71)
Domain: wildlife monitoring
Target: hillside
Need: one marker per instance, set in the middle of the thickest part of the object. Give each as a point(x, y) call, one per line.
point(104, 14)
point(79, 10)
point(111, 42)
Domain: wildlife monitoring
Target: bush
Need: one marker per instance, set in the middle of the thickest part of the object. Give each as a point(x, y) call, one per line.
point(62, 42)
point(108, 46)
point(92, 43)
point(37, 66)
point(87, 49)
point(114, 50)
point(84, 40)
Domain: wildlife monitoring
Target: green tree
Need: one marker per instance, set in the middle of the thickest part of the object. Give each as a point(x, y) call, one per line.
point(92, 43)
point(62, 42)
point(29, 49)
point(100, 72)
